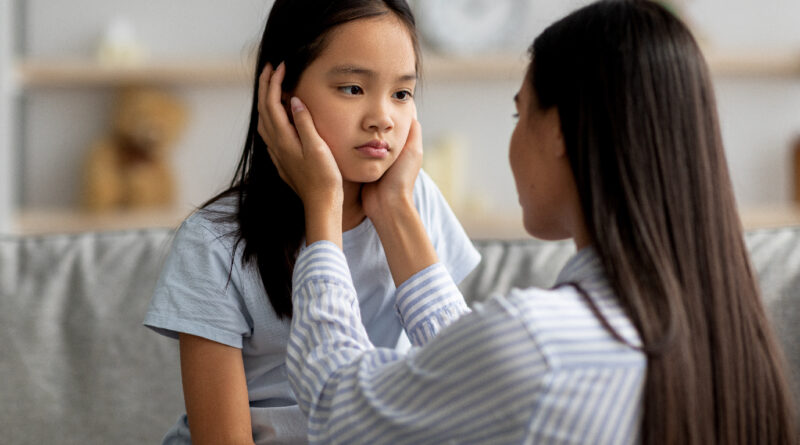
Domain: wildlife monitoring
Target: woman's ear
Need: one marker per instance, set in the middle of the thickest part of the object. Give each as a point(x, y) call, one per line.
point(554, 133)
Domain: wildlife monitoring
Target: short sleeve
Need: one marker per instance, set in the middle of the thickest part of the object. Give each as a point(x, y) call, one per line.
point(454, 248)
point(199, 290)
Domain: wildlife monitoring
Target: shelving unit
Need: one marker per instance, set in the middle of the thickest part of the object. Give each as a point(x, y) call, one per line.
point(31, 75)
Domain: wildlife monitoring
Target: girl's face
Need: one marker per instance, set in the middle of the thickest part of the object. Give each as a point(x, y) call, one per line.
point(543, 176)
point(359, 92)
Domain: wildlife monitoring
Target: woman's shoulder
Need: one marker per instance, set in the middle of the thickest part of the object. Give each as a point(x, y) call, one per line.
point(569, 329)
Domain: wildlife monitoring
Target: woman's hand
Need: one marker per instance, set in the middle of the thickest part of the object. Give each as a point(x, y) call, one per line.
point(396, 186)
point(301, 157)
point(389, 203)
point(295, 150)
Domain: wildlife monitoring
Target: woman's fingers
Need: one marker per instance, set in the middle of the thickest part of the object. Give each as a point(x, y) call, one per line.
point(409, 161)
point(263, 85)
point(414, 141)
point(304, 124)
point(273, 125)
point(295, 149)
point(273, 104)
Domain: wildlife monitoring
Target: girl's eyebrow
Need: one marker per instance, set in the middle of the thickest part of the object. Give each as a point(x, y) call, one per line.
point(364, 72)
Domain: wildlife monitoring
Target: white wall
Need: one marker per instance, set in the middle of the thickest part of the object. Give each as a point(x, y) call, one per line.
point(760, 116)
point(60, 124)
point(7, 185)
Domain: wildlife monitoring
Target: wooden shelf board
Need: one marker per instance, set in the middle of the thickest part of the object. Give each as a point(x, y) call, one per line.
point(83, 73)
point(70, 73)
point(768, 62)
point(489, 67)
point(770, 216)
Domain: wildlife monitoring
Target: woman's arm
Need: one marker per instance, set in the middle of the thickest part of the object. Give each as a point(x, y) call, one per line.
point(215, 392)
point(389, 204)
point(473, 383)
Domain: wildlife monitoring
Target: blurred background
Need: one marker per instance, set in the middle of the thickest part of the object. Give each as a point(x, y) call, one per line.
point(118, 114)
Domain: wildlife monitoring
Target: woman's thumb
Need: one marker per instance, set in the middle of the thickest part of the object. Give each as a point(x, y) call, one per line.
point(303, 122)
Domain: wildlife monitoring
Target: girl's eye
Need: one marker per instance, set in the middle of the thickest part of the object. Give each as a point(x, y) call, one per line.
point(352, 90)
point(515, 115)
point(403, 95)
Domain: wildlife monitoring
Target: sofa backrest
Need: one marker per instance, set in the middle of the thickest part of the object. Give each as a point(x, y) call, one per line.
point(78, 367)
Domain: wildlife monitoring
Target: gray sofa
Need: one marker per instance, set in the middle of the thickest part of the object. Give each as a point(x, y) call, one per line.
point(77, 367)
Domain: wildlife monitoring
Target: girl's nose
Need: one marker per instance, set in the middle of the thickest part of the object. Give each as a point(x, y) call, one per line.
point(378, 118)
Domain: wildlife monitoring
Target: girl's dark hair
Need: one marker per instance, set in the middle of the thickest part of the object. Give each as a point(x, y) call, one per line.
point(269, 215)
point(640, 127)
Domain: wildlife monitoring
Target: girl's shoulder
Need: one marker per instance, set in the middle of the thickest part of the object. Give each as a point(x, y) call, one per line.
point(215, 223)
point(426, 192)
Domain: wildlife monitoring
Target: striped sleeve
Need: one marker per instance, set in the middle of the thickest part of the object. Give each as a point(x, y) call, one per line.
point(429, 301)
point(473, 382)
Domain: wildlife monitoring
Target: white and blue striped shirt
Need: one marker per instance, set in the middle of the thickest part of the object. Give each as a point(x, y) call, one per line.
point(535, 366)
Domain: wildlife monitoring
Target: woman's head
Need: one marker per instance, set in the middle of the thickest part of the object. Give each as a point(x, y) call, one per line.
point(354, 64)
point(544, 180)
point(622, 89)
point(637, 114)
point(632, 99)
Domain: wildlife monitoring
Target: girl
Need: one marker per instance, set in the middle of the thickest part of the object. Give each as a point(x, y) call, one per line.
point(655, 331)
point(225, 288)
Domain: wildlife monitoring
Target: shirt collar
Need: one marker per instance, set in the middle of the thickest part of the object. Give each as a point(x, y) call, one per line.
point(583, 266)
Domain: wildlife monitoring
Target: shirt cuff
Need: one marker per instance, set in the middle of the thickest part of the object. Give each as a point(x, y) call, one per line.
point(429, 301)
point(322, 260)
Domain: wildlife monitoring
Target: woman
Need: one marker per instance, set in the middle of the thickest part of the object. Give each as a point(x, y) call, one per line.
point(655, 332)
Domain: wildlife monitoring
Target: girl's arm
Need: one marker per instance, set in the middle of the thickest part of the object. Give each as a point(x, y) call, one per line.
point(215, 392)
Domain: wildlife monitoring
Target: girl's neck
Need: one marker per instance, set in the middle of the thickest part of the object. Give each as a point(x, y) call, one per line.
point(352, 210)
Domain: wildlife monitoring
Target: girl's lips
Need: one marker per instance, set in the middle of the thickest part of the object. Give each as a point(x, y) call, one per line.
point(371, 151)
point(374, 149)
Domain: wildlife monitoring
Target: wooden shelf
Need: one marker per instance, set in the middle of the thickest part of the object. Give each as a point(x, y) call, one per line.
point(72, 73)
point(769, 62)
point(490, 67)
point(76, 73)
point(84, 73)
point(770, 216)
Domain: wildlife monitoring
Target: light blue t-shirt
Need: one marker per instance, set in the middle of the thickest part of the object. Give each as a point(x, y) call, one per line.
point(199, 294)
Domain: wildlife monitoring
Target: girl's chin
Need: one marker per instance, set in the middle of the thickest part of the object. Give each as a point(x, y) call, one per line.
point(363, 177)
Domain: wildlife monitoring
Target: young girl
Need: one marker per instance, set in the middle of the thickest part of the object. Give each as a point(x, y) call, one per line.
point(655, 332)
point(225, 288)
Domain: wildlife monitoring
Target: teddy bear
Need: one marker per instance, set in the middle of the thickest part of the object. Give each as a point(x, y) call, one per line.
point(129, 167)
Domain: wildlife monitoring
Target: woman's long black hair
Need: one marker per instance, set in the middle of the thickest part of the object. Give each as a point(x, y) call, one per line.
point(269, 214)
point(641, 132)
